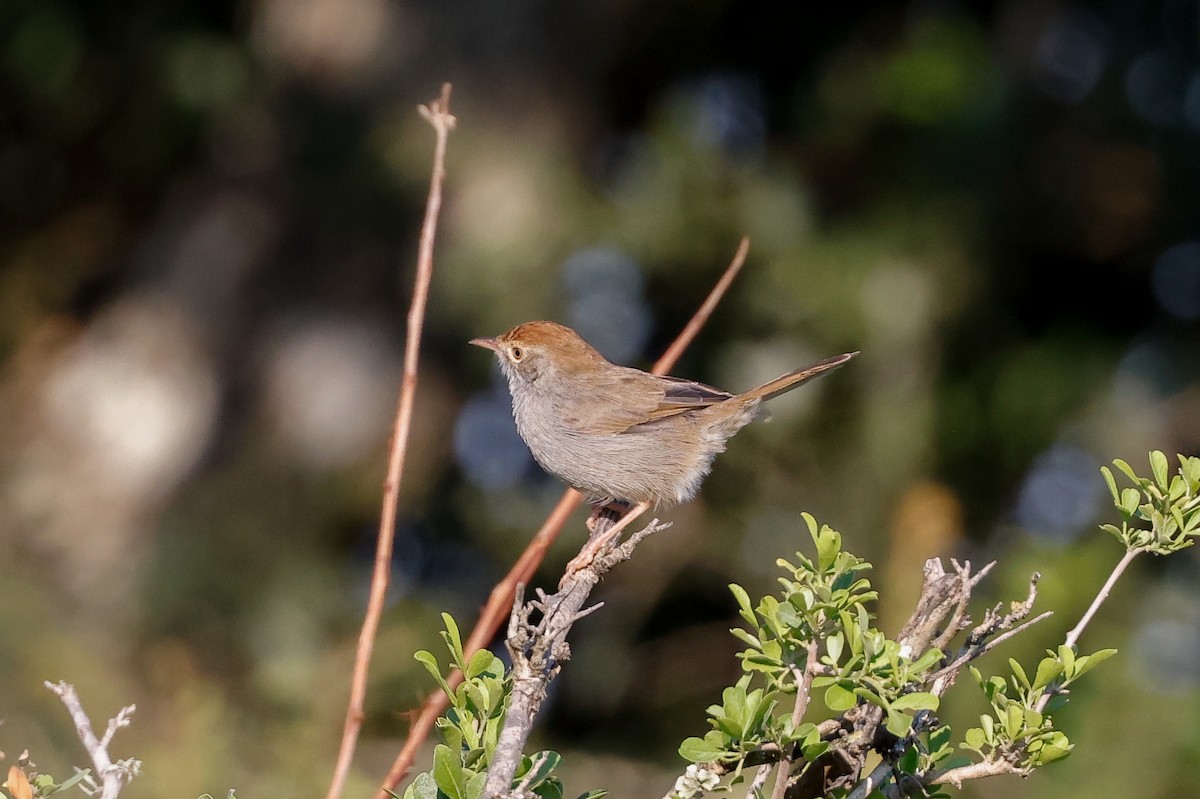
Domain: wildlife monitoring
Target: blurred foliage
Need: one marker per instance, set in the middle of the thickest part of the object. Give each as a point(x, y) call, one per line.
point(208, 216)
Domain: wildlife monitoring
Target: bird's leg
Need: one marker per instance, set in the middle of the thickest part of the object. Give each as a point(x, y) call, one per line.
point(601, 538)
point(606, 511)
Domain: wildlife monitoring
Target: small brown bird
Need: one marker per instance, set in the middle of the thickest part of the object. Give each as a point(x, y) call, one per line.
point(617, 433)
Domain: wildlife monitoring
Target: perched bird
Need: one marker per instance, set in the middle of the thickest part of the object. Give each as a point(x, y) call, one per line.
point(617, 433)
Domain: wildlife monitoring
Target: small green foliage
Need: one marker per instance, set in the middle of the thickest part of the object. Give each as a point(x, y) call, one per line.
point(472, 723)
point(45, 786)
point(1018, 726)
point(1160, 514)
point(471, 727)
point(824, 599)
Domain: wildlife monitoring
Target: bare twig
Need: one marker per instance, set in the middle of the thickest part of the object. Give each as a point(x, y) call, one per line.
point(760, 779)
point(983, 638)
point(501, 599)
point(975, 771)
point(803, 690)
point(114, 776)
point(943, 679)
point(1118, 570)
point(538, 650)
point(873, 782)
point(438, 115)
point(1073, 636)
point(693, 327)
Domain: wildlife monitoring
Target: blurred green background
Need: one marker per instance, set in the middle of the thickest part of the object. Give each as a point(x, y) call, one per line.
point(208, 220)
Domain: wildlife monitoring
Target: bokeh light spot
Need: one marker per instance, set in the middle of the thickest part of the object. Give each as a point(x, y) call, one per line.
point(486, 443)
point(1069, 59)
point(1176, 279)
point(1060, 495)
point(725, 111)
point(1154, 88)
point(606, 304)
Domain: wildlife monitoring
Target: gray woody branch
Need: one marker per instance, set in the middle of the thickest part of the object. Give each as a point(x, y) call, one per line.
point(114, 776)
point(940, 615)
point(538, 649)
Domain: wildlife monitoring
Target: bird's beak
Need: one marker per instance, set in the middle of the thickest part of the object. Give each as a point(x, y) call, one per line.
point(486, 343)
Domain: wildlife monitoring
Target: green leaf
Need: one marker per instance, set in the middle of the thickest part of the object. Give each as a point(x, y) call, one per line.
point(542, 765)
point(833, 645)
point(698, 750)
point(975, 738)
point(475, 785)
point(926, 661)
point(448, 773)
point(745, 637)
point(1019, 673)
point(431, 665)
point(1158, 465)
point(1086, 663)
point(597, 793)
point(1127, 470)
point(1049, 670)
point(743, 600)
point(988, 728)
point(898, 723)
point(80, 775)
point(811, 523)
point(1130, 499)
point(829, 544)
point(481, 662)
point(940, 743)
point(452, 737)
point(916, 701)
point(454, 641)
point(1014, 722)
point(423, 787)
point(734, 699)
point(1055, 748)
point(838, 698)
point(871, 696)
point(1112, 484)
point(812, 751)
point(550, 789)
point(1067, 655)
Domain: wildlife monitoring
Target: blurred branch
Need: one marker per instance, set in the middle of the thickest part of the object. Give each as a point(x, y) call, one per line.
point(113, 776)
point(501, 599)
point(698, 320)
point(539, 648)
point(439, 116)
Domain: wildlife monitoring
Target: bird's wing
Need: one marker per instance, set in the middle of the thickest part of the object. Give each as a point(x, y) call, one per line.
point(627, 398)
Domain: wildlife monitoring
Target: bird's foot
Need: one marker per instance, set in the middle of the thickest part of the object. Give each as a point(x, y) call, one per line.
point(606, 524)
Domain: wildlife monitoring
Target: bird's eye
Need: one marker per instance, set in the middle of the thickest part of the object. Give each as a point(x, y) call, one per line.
point(516, 353)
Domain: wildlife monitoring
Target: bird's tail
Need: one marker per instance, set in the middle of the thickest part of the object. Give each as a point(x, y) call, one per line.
point(785, 383)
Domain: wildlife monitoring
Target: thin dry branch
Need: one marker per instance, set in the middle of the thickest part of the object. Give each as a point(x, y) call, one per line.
point(1077, 631)
point(114, 776)
point(438, 115)
point(803, 691)
point(500, 601)
point(538, 649)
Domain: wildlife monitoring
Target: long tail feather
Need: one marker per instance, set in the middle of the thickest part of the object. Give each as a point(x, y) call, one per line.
point(791, 380)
